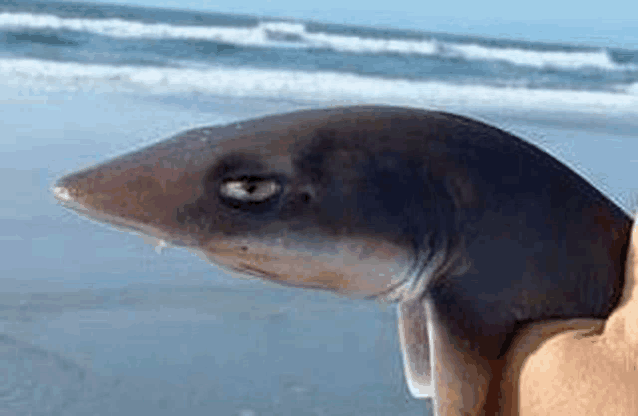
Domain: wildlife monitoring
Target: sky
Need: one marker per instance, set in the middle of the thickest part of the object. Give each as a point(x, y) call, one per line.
point(604, 23)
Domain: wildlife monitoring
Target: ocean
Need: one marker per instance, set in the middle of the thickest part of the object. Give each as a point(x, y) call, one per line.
point(97, 322)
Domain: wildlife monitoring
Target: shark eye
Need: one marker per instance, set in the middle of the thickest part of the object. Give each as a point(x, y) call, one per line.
point(250, 189)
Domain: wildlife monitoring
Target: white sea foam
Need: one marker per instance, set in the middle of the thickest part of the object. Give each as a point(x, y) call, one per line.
point(119, 28)
point(633, 89)
point(297, 85)
point(291, 34)
point(541, 59)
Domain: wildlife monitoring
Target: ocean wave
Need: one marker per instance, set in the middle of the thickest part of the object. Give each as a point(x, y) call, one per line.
point(542, 59)
point(295, 35)
point(296, 85)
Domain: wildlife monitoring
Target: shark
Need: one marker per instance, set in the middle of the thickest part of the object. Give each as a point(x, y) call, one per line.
point(472, 232)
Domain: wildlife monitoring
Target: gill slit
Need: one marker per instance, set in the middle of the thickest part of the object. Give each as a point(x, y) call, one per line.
point(417, 277)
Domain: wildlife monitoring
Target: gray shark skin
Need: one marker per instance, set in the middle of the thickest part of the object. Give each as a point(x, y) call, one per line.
point(473, 231)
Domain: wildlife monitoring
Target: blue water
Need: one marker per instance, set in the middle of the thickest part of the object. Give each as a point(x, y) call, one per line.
point(97, 322)
point(128, 47)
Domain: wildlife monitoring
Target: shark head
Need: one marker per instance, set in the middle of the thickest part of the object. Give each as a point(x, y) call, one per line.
point(320, 199)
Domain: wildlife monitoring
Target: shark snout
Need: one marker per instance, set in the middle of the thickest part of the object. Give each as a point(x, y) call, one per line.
point(138, 198)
